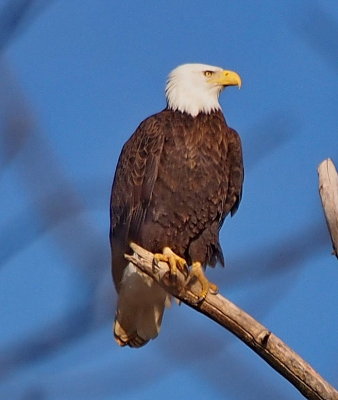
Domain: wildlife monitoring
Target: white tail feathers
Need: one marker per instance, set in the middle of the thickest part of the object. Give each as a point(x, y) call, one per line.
point(140, 308)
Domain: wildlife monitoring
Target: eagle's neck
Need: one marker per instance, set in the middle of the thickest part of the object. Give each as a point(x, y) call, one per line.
point(191, 100)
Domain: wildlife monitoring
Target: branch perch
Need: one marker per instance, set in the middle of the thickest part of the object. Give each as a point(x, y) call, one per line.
point(328, 190)
point(268, 346)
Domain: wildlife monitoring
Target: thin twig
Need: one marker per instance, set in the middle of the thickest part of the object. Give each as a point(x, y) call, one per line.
point(328, 190)
point(256, 336)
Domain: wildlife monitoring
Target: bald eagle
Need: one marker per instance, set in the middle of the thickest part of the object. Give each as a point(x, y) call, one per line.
point(178, 176)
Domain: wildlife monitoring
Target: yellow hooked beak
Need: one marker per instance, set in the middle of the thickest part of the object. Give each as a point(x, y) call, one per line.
point(226, 78)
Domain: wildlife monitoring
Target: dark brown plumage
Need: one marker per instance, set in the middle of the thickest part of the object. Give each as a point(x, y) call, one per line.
point(176, 180)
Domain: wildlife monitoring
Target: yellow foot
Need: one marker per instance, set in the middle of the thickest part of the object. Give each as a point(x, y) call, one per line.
point(175, 262)
point(197, 273)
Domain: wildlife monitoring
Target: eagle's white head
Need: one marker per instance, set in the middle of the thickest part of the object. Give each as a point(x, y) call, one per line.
point(195, 88)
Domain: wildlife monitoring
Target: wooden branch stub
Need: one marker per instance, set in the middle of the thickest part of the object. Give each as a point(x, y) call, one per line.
point(268, 346)
point(328, 190)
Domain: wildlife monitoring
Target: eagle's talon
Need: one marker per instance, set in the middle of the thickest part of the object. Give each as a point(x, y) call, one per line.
point(197, 274)
point(174, 261)
point(155, 267)
point(157, 258)
point(213, 289)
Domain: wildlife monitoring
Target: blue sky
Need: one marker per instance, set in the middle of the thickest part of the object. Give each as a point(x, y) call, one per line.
point(76, 80)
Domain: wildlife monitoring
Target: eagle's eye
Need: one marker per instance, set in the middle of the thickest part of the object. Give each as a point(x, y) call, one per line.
point(208, 74)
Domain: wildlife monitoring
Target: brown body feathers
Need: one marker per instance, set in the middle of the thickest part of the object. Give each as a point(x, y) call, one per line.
point(176, 180)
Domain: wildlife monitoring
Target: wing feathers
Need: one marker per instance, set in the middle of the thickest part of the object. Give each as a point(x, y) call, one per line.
point(133, 184)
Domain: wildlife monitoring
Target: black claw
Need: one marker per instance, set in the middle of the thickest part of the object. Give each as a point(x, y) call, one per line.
point(185, 272)
point(200, 300)
point(155, 265)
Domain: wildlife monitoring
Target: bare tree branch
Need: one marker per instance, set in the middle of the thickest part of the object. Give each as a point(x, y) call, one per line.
point(268, 346)
point(328, 190)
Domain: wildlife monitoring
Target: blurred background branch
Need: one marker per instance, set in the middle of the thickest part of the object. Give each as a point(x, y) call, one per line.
point(16, 15)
